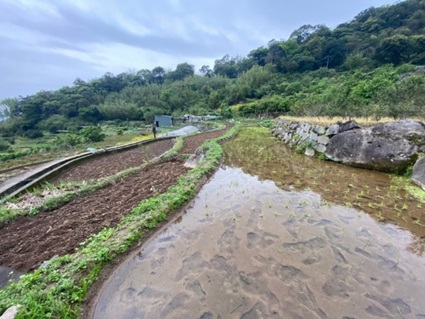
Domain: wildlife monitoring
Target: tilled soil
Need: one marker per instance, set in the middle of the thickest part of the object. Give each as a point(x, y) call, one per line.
point(110, 164)
point(191, 143)
point(28, 241)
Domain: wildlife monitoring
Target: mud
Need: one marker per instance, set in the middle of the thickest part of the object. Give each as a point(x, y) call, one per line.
point(248, 249)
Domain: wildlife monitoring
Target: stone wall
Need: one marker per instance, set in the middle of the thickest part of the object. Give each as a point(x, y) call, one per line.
point(388, 147)
point(314, 138)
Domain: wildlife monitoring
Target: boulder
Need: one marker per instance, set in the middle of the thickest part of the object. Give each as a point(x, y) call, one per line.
point(323, 139)
point(313, 136)
point(320, 130)
point(332, 130)
point(418, 175)
point(10, 313)
point(309, 152)
point(320, 148)
point(385, 147)
point(348, 126)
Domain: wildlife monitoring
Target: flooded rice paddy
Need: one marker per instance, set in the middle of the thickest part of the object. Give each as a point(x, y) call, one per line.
point(256, 243)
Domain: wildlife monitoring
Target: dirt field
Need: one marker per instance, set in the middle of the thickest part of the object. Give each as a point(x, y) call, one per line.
point(28, 241)
point(107, 165)
point(191, 143)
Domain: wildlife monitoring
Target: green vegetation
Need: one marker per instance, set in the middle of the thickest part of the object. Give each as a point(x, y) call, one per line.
point(371, 66)
point(57, 289)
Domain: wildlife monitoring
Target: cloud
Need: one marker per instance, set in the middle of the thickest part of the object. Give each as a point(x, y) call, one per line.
point(47, 44)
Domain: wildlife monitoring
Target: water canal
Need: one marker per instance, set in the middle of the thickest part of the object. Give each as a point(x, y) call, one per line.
point(276, 235)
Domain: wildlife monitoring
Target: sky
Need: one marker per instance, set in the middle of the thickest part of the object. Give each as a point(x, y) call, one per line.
point(47, 44)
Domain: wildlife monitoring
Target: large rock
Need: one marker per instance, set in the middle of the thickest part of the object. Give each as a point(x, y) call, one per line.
point(10, 313)
point(348, 126)
point(333, 130)
point(418, 175)
point(385, 147)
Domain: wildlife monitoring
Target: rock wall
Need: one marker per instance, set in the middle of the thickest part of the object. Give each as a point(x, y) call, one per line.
point(313, 138)
point(390, 147)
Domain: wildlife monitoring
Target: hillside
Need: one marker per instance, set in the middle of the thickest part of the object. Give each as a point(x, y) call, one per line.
point(352, 70)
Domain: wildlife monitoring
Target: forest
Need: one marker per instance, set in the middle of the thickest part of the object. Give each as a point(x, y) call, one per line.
point(372, 66)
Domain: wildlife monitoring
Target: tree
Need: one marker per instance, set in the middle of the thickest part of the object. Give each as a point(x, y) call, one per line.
point(158, 74)
point(53, 123)
point(227, 66)
point(258, 56)
point(10, 107)
point(182, 70)
point(333, 54)
point(275, 54)
point(205, 70)
point(395, 49)
point(303, 33)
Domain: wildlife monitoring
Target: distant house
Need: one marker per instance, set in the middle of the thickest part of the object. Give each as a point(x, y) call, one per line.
point(163, 120)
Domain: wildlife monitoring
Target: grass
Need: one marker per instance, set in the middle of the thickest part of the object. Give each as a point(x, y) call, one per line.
point(58, 289)
point(404, 183)
point(326, 121)
point(110, 140)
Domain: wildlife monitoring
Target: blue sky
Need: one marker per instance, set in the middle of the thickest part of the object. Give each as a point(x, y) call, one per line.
point(46, 44)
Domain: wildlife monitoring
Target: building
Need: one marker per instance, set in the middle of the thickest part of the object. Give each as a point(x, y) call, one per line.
point(163, 120)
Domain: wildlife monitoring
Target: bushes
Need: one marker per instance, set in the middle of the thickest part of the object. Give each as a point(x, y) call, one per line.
point(272, 104)
point(33, 134)
point(54, 123)
point(92, 134)
point(6, 157)
point(4, 145)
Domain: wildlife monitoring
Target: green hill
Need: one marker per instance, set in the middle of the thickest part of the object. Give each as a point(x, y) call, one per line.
point(357, 69)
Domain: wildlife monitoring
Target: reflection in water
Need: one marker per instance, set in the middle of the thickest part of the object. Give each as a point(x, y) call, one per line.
point(258, 153)
point(248, 249)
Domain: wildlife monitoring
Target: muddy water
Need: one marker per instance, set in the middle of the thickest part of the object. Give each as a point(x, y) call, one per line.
point(249, 249)
point(260, 154)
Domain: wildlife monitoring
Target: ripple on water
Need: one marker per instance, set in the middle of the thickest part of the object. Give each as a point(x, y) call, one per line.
point(281, 255)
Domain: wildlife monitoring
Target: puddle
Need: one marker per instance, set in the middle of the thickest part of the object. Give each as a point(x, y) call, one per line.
point(7, 275)
point(249, 249)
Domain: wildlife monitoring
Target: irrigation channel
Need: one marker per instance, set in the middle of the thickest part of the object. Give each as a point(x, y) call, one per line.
point(277, 235)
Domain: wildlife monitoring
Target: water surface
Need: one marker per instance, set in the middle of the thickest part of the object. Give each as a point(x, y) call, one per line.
point(249, 249)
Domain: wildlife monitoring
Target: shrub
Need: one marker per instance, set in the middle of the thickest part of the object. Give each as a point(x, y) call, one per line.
point(92, 134)
point(4, 145)
point(68, 140)
point(33, 134)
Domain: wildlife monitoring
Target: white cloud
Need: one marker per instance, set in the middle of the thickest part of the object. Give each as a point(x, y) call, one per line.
point(117, 57)
point(40, 8)
point(174, 26)
point(132, 26)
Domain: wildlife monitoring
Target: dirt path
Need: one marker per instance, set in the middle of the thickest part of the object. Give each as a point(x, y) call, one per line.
point(28, 241)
